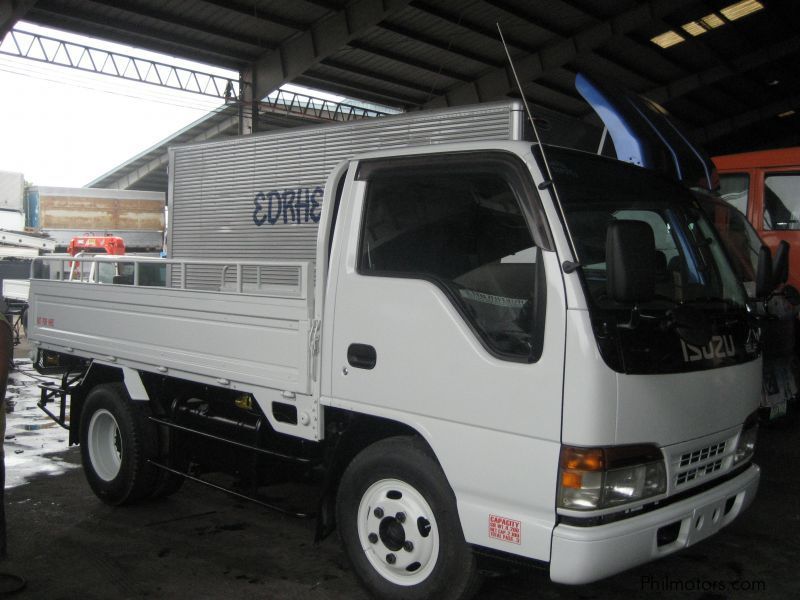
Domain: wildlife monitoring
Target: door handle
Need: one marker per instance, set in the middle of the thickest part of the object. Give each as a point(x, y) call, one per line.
point(362, 356)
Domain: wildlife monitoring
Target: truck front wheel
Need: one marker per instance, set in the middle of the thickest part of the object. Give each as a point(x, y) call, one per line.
point(116, 444)
point(398, 522)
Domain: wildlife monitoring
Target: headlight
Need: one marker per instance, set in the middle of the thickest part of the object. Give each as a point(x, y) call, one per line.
point(592, 478)
point(746, 446)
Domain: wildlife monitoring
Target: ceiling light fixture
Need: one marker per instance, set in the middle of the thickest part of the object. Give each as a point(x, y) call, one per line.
point(667, 39)
point(693, 28)
point(707, 23)
point(741, 9)
point(785, 114)
point(700, 26)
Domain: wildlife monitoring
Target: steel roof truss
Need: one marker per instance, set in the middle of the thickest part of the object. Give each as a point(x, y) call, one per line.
point(324, 38)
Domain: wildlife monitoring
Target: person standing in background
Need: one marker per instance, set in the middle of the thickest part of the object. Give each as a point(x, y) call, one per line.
point(6, 358)
point(8, 583)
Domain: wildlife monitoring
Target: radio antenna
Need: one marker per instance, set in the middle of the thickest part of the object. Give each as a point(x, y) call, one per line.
point(568, 266)
point(527, 108)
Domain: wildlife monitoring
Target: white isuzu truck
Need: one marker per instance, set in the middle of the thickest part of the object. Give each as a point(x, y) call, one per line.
point(472, 351)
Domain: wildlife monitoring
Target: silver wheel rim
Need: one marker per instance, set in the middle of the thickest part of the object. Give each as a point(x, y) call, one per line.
point(105, 445)
point(398, 532)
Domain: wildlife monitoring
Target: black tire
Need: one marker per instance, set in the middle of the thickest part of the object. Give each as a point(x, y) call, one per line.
point(393, 476)
point(166, 484)
point(170, 485)
point(116, 443)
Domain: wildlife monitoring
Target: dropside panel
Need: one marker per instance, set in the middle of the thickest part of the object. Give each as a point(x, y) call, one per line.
point(237, 341)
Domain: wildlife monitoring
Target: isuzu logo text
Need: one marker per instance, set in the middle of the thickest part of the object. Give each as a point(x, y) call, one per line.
point(720, 346)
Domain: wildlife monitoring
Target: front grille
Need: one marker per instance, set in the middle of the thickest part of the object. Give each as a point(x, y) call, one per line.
point(690, 458)
point(701, 471)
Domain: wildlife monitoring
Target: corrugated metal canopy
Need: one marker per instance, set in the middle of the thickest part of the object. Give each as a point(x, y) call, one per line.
point(729, 84)
point(148, 170)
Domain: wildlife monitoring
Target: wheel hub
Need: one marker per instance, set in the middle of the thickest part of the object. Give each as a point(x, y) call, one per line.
point(392, 533)
point(398, 532)
point(105, 445)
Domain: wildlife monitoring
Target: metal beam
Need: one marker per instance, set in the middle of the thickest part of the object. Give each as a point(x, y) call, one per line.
point(327, 4)
point(615, 64)
point(515, 11)
point(311, 108)
point(51, 50)
point(745, 119)
point(145, 37)
point(496, 83)
point(252, 11)
point(696, 45)
point(722, 70)
point(324, 38)
point(479, 28)
point(644, 48)
point(412, 62)
point(436, 42)
point(695, 81)
point(12, 11)
point(344, 87)
point(382, 76)
point(136, 11)
point(536, 22)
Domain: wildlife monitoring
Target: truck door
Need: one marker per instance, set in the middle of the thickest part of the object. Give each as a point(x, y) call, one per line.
point(448, 316)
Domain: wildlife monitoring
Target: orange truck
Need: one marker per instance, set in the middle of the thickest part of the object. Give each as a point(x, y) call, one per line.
point(765, 186)
point(96, 244)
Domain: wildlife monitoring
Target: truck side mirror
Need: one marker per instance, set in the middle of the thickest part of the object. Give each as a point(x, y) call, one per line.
point(764, 273)
point(630, 261)
point(780, 266)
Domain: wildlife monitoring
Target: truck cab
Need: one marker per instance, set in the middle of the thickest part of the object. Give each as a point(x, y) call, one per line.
point(454, 274)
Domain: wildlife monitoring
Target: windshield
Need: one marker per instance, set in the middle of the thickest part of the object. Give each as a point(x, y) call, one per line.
point(691, 265)
point(698, 295)
point(739, 238)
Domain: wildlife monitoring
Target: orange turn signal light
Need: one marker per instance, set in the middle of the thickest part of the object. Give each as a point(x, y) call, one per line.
point(572, 480)
point(582, 459)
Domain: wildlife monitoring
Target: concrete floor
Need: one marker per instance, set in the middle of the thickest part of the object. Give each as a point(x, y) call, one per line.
point(203, 544)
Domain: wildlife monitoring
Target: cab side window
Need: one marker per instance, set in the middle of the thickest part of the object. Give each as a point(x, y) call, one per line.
point(462, 226)
point(782, 201)
point(734, 189)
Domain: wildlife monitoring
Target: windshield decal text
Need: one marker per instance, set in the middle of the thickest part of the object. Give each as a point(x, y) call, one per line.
point(293, 206)
point(720, 346)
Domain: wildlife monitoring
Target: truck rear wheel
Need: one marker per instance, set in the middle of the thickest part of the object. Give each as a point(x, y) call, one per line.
point(398, 522)
point(116, 444)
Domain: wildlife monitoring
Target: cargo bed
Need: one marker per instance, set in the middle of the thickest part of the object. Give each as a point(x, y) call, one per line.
point(16, 289)
point(242, 336)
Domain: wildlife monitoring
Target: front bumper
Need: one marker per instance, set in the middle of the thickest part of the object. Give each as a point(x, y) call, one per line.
point(585, 554)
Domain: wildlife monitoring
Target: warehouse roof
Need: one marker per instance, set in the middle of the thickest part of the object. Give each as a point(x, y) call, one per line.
point(726, 68)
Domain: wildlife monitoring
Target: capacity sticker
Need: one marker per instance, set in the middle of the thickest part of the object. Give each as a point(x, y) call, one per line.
point(505, 529)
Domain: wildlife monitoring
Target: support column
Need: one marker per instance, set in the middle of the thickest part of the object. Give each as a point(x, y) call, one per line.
point(12, 11)
point(248, 104)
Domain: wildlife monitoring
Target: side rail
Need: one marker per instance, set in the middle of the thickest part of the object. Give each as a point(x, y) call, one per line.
point(241, 325)
point(285, 279)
